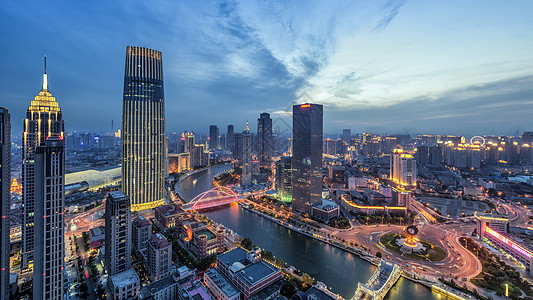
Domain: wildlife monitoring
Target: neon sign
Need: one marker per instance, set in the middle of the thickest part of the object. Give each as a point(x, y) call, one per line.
point(305, 105)
point(508, 242)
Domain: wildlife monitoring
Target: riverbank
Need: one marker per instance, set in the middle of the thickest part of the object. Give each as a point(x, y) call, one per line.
point(364, 256)
point(178, 184)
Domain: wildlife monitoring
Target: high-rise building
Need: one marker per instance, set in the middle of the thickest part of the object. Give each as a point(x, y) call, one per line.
point(283, 179)
point(346, 135)
point(189, 142)
point(237, 146)
point(159, 257)
point(403, 168)
point(43, 119)
point(117, 233)
point(246, 177)
point(230, 142)
point(213, 137)
point(5, 201)
point(307, 156)
point(143, 129)
point(264, 139)
point(49, 249)
point(141, 232)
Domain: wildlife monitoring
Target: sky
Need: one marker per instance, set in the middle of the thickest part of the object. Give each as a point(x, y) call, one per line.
point(447, 67)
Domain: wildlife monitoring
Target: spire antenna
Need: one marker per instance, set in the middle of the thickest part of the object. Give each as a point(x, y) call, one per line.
point(45, 77)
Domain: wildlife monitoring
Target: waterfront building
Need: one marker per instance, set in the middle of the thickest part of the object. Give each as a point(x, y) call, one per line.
point(124, 285)
point(213, 137)
point(43, 119)
point(246, 176)
point(5, 201)
point(403, 168)
point(283, 179)
point(246, 271)
point(159, 257)
point(307, 156)
point(117, 233)
point(200, 238)
point(143, 129)
point(141, 233)
point(326, 210)
point(220, 286)
point(49, 249)
point(264, 139)
point(168, 215)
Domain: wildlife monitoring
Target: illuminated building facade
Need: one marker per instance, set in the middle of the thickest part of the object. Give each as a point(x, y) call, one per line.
point(5, 201)
point(307, 127)
point(43, 119)
point(283, 179)
point(117, 233)
point(49, 250)
point(403, 168)
point(143, 129)
point(246, 177)
point(264, 139)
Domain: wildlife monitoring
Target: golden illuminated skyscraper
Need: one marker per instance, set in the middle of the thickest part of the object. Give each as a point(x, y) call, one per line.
point(43, 119)
point(143, 129)
point(403, 168)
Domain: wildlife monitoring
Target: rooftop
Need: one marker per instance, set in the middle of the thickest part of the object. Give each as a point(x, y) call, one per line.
point(141, 221)
point(232, 256)
point(95, 177)
point(221, 282)
point(158, 241)
point(169, 210)
point(256, 272)
point(156, 286)
point(317, 294)
point(124, 278)
point(210, 235)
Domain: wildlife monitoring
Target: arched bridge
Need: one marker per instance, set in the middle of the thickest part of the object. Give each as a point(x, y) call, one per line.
point(379, 283)
point(217, 196)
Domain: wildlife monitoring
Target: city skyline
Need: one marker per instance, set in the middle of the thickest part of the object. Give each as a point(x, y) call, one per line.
point(453, 73)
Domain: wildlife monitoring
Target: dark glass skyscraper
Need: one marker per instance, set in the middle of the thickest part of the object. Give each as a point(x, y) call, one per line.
point(5, 203)
point(117, 233)
point(264, 139)
point(306, 156)
point(230, 141)
point(43, 119)
point(49, 249)
point(143, 129)
point(213, 137)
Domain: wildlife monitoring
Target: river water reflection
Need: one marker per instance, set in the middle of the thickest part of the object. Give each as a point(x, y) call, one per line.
point(339, 270)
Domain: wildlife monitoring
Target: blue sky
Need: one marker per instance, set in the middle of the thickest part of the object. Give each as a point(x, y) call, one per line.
point(457, 67)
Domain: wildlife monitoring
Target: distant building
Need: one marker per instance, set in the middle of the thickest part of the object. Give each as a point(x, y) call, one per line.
point(326, 211)
point(428, 155)
point(49, 249)
point(144, 149)
point(403, 168)
point(230, 138)
point(167, 215)
point(118, 224)
point(220, 286)
point(265, 142)
point(336, 175)
point(346, 135)
point(141, 232)
point(401, 197)
point(124, 285)
point(179, 162)
point(5, 201)
point(246, 271)
point(159, 257)
point(246, 176)
point(213, 137)
point(284, 179)
point(307, 156)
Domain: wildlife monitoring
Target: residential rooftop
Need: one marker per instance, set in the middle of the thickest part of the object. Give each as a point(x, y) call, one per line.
point(124, 278)
point(223, 284)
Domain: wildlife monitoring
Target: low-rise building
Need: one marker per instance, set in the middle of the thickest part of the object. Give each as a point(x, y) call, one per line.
point(167, 287)
point(202, 239)
point(220, 286)
point(168, 215)
point(326, 211)
point(246, 271)
point(97, 237)
point(124, 285)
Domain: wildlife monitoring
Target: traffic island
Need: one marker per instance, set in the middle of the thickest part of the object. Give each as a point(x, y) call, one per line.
point(424, 251)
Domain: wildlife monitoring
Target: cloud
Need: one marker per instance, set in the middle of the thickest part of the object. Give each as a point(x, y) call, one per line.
point(391, 10)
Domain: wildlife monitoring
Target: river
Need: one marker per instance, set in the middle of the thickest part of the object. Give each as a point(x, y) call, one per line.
point(338, 269)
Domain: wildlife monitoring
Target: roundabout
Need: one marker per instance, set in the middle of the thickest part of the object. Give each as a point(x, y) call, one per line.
point(408, 245)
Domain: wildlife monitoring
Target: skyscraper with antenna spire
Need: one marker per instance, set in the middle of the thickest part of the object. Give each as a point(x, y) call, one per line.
point(43, 119)
point(246, 177)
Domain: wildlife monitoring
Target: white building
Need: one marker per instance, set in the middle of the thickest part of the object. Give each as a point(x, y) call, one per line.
point(159, 257)
point(124, 285)
point(403, 168)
